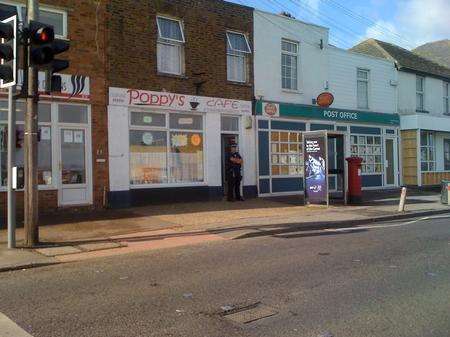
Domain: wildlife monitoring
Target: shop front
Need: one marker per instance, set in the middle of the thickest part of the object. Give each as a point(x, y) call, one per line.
point(64, 145)
point(166, 147)
point(426, 153)
point(370, 135)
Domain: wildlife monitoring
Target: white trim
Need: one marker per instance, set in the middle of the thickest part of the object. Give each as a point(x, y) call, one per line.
point(180, 24)
point(245, 38)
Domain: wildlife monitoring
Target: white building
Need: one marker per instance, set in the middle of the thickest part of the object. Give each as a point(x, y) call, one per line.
point(423, 105)
point(293, 64)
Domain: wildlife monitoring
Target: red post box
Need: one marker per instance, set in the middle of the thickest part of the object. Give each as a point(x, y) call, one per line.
point(354, 180)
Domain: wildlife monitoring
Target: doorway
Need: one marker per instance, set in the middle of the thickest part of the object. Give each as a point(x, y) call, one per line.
point(390, 164)
point(226, 142)
point(73, 166)
point(336, 167)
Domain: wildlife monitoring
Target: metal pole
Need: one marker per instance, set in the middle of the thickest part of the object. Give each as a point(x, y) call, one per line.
point(31, 129)
point(11, 163)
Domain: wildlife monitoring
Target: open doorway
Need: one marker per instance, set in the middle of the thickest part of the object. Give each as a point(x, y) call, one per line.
point(227, 141)
point(336, 168)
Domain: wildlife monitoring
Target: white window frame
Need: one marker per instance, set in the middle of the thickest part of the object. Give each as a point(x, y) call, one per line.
point(446, 97)
point(171, 42)
point(168, 130)
point(238, 53)
point(364, 154)
point(297, 56)
point(428, 147)
point(420, 93)
point(367, 81)
point(19, 7)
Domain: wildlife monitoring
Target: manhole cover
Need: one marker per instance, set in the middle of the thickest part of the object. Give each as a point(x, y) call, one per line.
point(250, 313)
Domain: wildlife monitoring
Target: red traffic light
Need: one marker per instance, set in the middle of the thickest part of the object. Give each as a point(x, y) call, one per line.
point(43, 35)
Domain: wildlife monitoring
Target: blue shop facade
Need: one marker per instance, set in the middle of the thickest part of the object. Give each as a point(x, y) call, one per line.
point(372, 136)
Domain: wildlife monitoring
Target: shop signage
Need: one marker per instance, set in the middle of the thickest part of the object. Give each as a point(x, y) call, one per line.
point(325, 99)
point(316, 167)
point(72, 86)
point(338, 115)
point(179, 102)
point(271, 110)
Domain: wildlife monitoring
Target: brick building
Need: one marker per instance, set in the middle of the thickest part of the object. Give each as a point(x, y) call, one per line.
point(180, 77)
point(73, 150)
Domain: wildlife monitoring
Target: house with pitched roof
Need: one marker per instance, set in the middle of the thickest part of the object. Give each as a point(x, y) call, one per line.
point(423, 91)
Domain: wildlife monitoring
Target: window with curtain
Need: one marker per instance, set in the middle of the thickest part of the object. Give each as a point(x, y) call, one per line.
point(427, 151)
point(289, 65)
point(166, 148)
point(170, 46)
point(420, 93)
point(362, 89)
point(237, 50)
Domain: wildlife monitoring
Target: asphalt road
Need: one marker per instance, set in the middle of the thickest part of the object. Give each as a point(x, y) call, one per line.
point(388, 280)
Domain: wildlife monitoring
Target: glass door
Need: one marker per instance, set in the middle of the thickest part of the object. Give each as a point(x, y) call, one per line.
point(390, 163)
point(73, 172)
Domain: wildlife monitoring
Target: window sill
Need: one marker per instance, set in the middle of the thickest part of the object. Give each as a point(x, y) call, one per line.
point(290, 91)
point(241, 84)
point(422, 111)
point(182, 77)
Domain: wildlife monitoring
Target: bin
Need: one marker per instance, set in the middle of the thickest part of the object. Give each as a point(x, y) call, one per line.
point(445, 192)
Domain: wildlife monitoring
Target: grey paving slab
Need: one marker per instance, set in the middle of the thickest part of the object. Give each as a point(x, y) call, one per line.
point(89, 247)
point(55, 251)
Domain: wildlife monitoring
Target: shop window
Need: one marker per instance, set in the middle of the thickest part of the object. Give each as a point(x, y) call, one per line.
point(71, 113)
point(44, 143)
point(237, 50)
point(447, 154)
point(362, 89)
point(161, 154)
point(229, 123)
point(289, 65)
point(369, 148)
point(427, 151)
point(420, 93)
point(446, 98)
point(286, 153)
point(170, 46)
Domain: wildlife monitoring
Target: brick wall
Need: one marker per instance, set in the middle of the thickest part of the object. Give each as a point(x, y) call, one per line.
point(132, 40)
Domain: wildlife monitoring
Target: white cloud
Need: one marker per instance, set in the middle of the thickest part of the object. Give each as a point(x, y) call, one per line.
point(416, 21)
point(313, 3)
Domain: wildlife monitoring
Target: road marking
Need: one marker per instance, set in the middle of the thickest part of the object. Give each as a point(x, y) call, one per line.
point(385, 226)
point(10, 329)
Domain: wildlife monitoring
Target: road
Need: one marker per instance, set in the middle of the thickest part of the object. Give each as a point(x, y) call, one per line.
point(390, 279)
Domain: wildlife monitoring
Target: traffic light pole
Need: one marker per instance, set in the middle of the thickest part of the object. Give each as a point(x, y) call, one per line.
point(31, 130)
point(11, 163)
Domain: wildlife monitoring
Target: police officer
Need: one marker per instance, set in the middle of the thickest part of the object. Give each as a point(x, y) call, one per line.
point(234, 176)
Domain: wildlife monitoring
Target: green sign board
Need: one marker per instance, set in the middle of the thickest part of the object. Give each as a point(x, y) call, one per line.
point(331, 114)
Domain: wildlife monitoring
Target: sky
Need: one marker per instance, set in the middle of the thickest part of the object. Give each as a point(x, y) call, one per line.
point(407, 23)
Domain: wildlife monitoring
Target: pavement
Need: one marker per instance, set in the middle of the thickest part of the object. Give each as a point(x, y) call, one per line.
point(68, 237)
point(379, 279)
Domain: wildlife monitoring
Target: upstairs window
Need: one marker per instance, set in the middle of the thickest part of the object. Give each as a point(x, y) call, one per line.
point(237, 50)
point(420, 93)
point(446, 98)
point(289, 65)
point(56, 18)
point(362, 93)
point(170, 48)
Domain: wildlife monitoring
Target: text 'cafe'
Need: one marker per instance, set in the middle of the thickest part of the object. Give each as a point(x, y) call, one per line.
point(171, 147)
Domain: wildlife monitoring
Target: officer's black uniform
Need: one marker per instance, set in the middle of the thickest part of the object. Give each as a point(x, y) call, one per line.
point(234, 177)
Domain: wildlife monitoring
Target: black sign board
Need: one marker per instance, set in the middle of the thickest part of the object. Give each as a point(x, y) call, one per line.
point(315, 149)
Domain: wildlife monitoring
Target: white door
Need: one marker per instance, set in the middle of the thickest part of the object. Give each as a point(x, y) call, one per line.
point(73, 166)
point(391, 164)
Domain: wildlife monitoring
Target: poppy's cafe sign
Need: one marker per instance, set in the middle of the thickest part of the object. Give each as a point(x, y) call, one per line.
point(72, 86)
point(173, 101)
point(316, 167)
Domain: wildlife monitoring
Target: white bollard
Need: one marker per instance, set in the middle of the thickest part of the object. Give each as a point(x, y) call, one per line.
point(401, 205)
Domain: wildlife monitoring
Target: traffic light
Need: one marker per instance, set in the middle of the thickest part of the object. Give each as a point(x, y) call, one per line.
point(44, 48)
point(8, 73)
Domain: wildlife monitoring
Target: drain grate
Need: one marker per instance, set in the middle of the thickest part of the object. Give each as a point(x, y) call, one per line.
point(249, 313)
